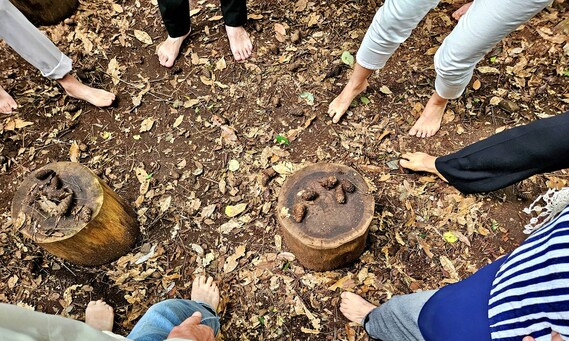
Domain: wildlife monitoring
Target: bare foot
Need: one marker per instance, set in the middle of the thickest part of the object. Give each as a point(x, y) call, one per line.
point(169, 50)
point(100, 315)
point(430, 121)
point(74, 88)
point(357, 83)
point(7, 103)
point(205, 291)
point(420, 162)
point(461, 11)
point(240, 43)
point(340, 104)
point(354, 307)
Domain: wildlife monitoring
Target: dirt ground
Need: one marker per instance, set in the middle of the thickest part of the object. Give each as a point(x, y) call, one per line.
point(181, 130)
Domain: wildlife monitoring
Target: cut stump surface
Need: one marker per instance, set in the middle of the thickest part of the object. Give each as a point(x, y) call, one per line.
point(107, 232)
point(331, 234)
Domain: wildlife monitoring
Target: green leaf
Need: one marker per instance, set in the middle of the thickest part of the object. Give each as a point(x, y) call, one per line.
point(308, 97)
point(566, 73)
point(262, 320)
point(495, 225)
point(286, 266)
point(450, 237)
point(493, 59)
point(282, 140)
point(347, 58)
point(149, 176)
point(364, 100)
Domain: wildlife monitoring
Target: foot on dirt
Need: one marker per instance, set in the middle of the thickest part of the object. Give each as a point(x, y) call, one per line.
point(240, 42)
point(430, 121)
point(420, 162)
point(340, 104)
point(461, 11)
point(354, 307)
point(76, 89)
point(169, 50)
point(7, 103)
point(205, 290)
point(99, 315)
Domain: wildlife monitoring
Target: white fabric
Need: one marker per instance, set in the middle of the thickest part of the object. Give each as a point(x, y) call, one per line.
point(482, 27)
point(31, 43)
point(555, 202)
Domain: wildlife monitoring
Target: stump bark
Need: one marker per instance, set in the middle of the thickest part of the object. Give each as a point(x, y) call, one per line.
point(332, 232)
point(108, 232)
point(46, 12)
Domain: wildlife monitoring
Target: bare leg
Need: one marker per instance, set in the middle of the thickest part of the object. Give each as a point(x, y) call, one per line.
point(461, 11)
point(354, 307)
point(430, 121)
point(420, 162)
point(74, 88)
point(99, 315)
point(240, 42)
point(169, 50)
point(205, 290)
point(357, 83)
point(7, 103)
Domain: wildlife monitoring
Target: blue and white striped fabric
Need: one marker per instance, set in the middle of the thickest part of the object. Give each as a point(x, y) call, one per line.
point(530, 293)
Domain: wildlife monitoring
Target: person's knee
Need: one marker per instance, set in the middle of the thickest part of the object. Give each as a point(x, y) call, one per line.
point(162, 307)
point(449, 64)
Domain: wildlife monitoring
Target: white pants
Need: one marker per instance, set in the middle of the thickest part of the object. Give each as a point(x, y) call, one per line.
point(477, 32)
point(31, 43)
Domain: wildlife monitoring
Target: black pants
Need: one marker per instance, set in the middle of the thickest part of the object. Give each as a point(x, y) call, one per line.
point(510, 156)
point(176, 15)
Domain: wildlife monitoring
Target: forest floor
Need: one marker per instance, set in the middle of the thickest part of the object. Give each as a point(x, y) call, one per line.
point(175, 127)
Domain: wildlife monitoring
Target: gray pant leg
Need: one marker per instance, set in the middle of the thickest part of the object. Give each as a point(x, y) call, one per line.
point(31, 43)
point(398, 318)
point(392, 25)
point(477, 32)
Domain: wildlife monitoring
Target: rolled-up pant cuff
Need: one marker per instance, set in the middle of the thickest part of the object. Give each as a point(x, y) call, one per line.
point(449, 91)
point(61, 69)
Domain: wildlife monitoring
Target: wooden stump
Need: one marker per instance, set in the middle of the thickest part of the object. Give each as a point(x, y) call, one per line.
point(46, 12)
point(331, 234)
point(98, 226)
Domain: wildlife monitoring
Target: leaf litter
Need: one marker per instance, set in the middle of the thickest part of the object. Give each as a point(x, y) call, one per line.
point(168, 148)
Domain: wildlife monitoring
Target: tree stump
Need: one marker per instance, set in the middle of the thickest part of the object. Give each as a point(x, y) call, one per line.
point(70, 212)
point(333, 227)
point(46, 12)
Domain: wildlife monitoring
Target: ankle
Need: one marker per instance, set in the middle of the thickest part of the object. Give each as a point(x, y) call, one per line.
point(357, 85)
point(436, 99)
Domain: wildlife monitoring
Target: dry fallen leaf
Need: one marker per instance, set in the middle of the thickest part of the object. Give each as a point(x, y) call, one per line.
point(143, 37)
point(233, 210)
point(231, 261)
point(476, 85)
point(385, 90)
point(113, 70)
point(146, 124)
point(74, 152)
point(178, 121)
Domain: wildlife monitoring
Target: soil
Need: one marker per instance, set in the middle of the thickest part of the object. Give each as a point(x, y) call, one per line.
point(186, 147)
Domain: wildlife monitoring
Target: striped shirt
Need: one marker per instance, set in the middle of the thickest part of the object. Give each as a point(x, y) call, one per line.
point(530, 293)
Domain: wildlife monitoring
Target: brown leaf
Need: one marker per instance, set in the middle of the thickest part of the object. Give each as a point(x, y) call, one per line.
point(74, 152)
